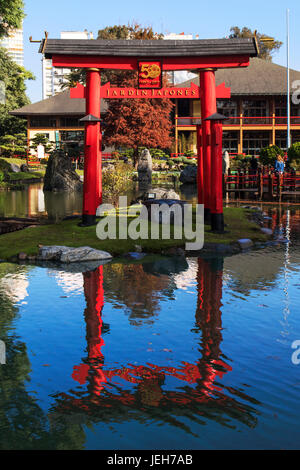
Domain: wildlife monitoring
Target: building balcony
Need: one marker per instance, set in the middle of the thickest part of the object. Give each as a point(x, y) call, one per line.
point(244, 121)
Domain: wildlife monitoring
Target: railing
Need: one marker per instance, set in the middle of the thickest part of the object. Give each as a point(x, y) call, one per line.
point(260, 182)
point(244, 120)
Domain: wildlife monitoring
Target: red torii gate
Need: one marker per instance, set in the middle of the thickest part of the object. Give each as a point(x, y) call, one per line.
point(149, 57)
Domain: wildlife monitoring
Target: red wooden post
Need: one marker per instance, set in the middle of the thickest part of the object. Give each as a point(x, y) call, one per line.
point(94, 295)
point(216, 195)
point(92, 186)
point(200, 182)
point(208, 107)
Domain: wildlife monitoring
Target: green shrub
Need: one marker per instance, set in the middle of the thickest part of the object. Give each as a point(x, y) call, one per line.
point(268, 155)
point(116, 180)
point(4, 165)
point(171, 162)
point(294, 153)
point(189, 153)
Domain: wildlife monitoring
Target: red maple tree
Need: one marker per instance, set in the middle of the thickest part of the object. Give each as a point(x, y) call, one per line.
point(135, 123)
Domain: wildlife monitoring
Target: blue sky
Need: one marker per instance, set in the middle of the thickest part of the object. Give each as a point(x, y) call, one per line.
point(209, 19)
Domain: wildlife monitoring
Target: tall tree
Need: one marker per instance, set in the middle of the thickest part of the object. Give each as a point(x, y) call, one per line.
point(267, 48)
point(13, 77)
point(138, 123)
point(11, 15)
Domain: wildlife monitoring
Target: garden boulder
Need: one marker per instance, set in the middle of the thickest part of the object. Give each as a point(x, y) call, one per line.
point(66, 254)
point(189, 175)
point(60, 175)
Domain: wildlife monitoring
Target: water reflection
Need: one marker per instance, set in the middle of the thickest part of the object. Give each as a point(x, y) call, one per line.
point(23, 423)
point(33, 202)
point(211, 366)
point(145, 388)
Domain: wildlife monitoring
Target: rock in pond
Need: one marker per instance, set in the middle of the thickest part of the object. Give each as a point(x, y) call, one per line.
point(160, 193)
point(60, 175)
point(189, 175)
point(266, 231)
point(245, 243)
point(145, 166)
point(66, 254)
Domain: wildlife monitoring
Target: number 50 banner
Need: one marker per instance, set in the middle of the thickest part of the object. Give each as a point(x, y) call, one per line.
point(150, 74)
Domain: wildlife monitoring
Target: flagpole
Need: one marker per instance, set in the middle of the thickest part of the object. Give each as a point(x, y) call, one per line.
point(288, 77)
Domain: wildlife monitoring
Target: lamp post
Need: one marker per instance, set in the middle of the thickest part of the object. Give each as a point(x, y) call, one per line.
point(216, 177)
point(288, 143)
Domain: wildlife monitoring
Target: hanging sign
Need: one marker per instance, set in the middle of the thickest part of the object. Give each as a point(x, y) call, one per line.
point(149, 74)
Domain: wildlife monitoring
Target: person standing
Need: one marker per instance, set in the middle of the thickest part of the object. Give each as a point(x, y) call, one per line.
point(279, 164)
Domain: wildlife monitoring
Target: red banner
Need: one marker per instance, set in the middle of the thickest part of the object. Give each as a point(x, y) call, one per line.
point(108, 92)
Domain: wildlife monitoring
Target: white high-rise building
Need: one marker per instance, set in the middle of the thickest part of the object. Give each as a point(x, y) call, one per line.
point(179, 76)
point(54, 78)
point(13, 43)
point(176, 36)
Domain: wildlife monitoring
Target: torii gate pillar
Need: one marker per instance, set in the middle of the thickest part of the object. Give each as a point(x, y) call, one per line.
point(92, 184)
point(208, 107)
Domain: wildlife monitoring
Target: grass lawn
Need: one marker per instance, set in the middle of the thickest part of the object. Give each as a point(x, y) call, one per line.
point(16, 161)
point(68, 233)
point(25, 176)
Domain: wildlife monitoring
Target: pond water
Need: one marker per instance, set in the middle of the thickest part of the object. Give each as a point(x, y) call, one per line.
point(33, 202)
point(163, 353)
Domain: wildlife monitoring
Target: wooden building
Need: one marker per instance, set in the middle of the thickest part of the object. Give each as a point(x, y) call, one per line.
point(58, 118)
point(257, 109)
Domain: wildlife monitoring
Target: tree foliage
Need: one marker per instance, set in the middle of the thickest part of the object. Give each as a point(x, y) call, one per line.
point(13, 77)
point(266, 48)
point(41, 139)
point(11, 145)
point(138, 122)
point(294, 153)
point(11, 15)
point(115, 181)
point(268, 155)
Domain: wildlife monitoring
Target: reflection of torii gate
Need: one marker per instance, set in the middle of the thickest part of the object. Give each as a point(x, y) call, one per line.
point(150, 377)
point(205, 56)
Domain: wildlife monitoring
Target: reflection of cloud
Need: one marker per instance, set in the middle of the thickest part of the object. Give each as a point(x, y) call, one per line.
point(71, 283)
point(187, 278)
point(14, 286)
